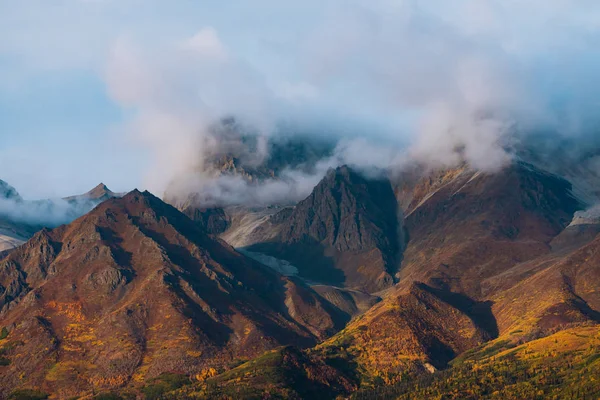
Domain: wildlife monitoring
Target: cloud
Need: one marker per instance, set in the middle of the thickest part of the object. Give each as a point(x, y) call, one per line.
point(44, 213)
point(206, 43)
point(176, 93)
point(397, 82)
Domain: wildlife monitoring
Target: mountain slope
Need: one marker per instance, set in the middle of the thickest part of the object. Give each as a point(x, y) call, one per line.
point(564, 365)
point(476, 243)
point(465, 226)
point(344, 233)
point(134, 289)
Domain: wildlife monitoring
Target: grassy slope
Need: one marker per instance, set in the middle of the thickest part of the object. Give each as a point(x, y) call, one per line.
point(565, 365)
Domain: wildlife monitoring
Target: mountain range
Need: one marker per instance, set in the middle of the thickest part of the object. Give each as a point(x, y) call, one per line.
point(424, 283)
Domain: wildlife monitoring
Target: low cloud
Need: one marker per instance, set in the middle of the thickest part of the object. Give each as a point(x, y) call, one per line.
point(392, 83)
point(44, 213)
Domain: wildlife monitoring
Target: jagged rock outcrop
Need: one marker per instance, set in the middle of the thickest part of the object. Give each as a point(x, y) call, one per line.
point(345, 233)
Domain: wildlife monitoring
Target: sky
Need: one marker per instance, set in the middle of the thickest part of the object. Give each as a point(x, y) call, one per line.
point(122, 91)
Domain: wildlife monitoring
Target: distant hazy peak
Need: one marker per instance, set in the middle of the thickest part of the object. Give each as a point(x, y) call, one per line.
point(8, 192)
point(101, 192)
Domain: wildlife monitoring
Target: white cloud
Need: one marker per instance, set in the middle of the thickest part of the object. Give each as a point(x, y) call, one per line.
point(207, 44)
point(454, 80)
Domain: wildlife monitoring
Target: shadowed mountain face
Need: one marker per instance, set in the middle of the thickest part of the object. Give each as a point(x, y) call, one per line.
point(213, 220)
point(12, 233)
point(490, 262)
point(136, 288)
point(345, 233)
point(8, 192)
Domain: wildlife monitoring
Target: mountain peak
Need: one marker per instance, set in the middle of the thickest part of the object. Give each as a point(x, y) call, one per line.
point(8, 192)
point(137, 196)
point(346, 223)
point(100, 191)
point(101, 186)
point(341, 172)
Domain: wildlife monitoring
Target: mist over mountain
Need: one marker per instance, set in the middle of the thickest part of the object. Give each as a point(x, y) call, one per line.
point(485, 95)
point(433, 83)
point(20, 218)
point(340, 199)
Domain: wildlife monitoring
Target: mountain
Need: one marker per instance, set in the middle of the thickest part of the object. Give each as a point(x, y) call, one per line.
point(455, 283)
point(466, 226)
point(490, 261)
point(98, 194)
point(562, 365)
point(243, 152)
point(20, 219)
point(8, 192)
point(245, 155)
point(344, 233)
point(473, 240)
point(213, 220)
point(134, 289)
point(12, 232)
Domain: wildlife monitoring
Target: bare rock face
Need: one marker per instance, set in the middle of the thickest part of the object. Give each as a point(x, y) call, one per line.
point(212, 220)
point(344, 233)
point(346, 212)
point(135, 288)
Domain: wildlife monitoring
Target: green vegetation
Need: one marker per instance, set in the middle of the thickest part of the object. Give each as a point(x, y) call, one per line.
point(4, 361)
point(263, 377)
point(285, 373)
point(27, 394)
point(3, 333)
point(165, 383)
point(565, 365)
point(108, 396)
point(507, 379)
point(484, 351)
